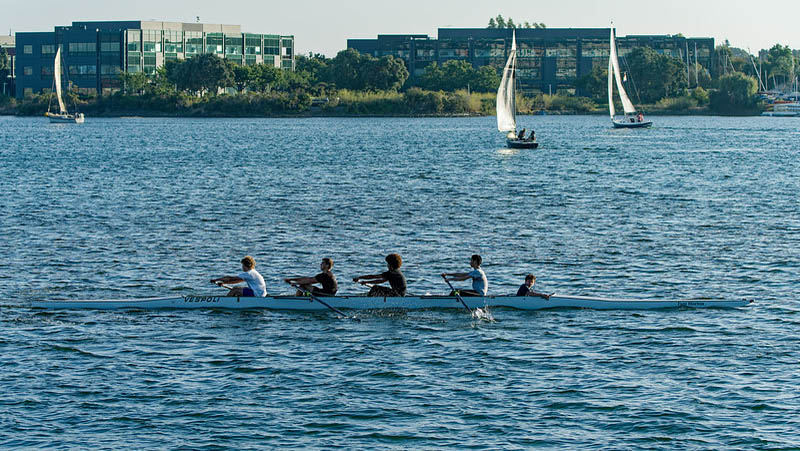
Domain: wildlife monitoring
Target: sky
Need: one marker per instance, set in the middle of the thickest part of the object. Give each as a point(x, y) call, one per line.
point(324, 26)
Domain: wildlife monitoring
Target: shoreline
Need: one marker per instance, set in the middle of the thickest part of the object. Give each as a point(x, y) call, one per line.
point(157, 114)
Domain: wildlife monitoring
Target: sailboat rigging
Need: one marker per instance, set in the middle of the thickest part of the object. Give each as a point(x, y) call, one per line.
point(507, 104)
point(63, 116)
point(631, 119)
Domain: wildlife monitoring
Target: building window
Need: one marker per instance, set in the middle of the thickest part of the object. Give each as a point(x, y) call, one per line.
point(109, 46)
point(27, 49)
point(109, 69)
point(83, 70)
point(48, 49)
point(82, 47)
point(27, 70)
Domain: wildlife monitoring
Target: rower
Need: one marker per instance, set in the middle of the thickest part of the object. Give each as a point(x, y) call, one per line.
point(397, 281)
point(526, 289)
point(255, 283)
point(480, 286)
point(324, 278)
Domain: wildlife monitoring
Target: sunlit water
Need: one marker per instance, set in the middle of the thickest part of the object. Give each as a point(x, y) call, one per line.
point(697, 207)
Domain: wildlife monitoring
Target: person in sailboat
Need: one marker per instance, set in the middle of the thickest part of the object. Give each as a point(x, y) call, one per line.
point(255, 283)
point(532, 136)
point(324, 278)
point(640, 117)
point(521, 134)
point(480, 285)
point(397, 281)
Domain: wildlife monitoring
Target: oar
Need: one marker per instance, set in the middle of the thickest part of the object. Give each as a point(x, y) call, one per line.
point(334, 309)
point(457, 295)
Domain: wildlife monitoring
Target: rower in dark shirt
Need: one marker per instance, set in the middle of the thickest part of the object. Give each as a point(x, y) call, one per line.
point(526, 289)
point(325, 278)
point(397, 281)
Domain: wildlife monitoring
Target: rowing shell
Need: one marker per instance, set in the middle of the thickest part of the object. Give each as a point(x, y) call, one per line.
point(374, 303)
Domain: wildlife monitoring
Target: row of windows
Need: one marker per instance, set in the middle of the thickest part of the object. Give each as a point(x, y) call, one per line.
point(83, 70)
point(82, 47)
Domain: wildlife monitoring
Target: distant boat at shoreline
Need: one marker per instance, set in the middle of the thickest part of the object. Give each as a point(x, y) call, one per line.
point(63, 116)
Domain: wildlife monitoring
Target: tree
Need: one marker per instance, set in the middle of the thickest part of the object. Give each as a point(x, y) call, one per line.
point(208, 73)
point(133, 82)
point(736, 94)
point(595, 83)
point(316, 65)
point(387, 73)
point(242, 75)
point(500, 22)
point(654, 76)
point(780, 62)
point(344, 70)
point(4, 69)
point(265, 77)
point(485, 79)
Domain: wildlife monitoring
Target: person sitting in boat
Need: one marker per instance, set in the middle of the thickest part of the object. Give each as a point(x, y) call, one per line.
point(640, 117)
point(397, 281)
point(526, 289)
point(255, 283)
point(324, 278)
point(480, 286)
point(532, 136)
point(521, 134)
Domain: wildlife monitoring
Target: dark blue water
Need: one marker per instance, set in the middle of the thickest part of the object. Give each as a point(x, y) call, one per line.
point(116, 208)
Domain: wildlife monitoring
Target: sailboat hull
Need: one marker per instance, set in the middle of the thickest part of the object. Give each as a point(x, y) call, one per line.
point(65, 118)
point(628, 124)
point(521, 144)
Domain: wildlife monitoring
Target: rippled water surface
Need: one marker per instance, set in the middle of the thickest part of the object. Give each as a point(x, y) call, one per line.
point(694, 208)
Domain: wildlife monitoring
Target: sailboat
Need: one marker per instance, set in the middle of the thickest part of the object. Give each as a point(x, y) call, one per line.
point(507, 103)
point(631, 119)
point(62, 116)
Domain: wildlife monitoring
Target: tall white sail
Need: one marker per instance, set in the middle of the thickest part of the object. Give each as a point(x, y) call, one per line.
point(611, 55)
point(506, 101)
point(57, 78)
point(614, 67)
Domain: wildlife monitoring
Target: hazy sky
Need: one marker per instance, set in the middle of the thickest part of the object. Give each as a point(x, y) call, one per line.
point(324, 26)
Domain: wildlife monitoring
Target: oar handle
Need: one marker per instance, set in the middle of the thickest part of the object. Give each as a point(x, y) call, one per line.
point(222, 285)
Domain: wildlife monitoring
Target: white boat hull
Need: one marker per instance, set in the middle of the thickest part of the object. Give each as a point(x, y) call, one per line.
point(375, 303)
point(66, 118)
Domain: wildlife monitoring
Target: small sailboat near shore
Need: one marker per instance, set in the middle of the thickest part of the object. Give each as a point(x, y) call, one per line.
point(507, 104)
point(631, 118)
point(63, 116)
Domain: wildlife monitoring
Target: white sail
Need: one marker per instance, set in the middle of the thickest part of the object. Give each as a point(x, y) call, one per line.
point(611, 55)
point(614, 63)
point(506, 101)
point(57, 78)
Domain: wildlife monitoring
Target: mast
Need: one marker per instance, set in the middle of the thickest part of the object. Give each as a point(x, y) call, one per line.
point(696, 79)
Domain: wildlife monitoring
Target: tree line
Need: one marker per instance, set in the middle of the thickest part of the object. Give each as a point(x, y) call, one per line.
point(501, 22)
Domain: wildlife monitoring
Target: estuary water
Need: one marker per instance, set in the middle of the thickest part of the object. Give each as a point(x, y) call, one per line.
point(696, 207)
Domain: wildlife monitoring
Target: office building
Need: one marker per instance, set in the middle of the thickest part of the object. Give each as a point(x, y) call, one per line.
point(548, 59)
point(94, 53)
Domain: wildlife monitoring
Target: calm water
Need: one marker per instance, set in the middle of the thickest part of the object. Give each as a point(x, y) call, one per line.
point(116, 208)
